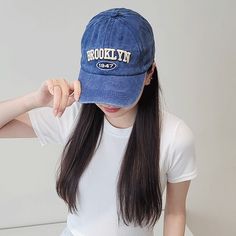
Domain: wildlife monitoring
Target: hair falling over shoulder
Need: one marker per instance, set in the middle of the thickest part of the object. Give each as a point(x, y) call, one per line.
point(138, 188)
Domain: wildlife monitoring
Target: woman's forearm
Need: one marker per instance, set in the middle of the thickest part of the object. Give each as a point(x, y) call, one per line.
point(12, 108)
point(174, 224)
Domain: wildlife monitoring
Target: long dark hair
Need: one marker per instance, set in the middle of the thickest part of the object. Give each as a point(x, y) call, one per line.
point(138, 188)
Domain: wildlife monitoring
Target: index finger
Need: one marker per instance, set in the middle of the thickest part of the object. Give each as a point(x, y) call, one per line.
point(75, 86)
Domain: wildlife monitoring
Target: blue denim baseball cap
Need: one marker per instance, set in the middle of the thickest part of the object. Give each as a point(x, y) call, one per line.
point(117, 49)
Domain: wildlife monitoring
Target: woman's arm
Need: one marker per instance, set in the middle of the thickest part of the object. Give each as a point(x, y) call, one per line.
point(14, 120)
point(12, 108)
point(175, 208)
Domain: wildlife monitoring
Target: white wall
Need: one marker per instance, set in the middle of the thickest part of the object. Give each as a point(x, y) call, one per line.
point(196, 63)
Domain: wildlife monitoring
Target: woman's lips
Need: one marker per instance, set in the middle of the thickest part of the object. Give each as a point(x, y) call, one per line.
point(110, 109)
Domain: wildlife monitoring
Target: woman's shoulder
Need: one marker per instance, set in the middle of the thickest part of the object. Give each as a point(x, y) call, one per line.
point(73, 110)
point(178, 143)
point(175, 130)
point(169, 121)
point(169, 118)
point(52, 129)
point(71, 115)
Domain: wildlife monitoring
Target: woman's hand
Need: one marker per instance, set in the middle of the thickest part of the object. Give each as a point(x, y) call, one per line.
point(58, 93)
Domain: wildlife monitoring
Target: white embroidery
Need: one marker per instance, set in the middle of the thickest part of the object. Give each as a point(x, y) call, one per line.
point(109, 54)
point(103, 65)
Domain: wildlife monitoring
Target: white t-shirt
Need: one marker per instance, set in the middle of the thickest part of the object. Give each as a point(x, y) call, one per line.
point(97, 206)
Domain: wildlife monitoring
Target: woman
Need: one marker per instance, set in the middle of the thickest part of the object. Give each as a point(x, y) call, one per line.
point(121, 148)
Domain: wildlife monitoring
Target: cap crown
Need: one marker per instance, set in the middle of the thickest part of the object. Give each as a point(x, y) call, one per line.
point(119, 42)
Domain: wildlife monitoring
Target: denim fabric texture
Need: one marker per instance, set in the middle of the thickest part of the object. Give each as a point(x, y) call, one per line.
point(117, 48)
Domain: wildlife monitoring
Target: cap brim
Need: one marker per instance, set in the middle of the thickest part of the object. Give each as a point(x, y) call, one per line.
point(120, 91)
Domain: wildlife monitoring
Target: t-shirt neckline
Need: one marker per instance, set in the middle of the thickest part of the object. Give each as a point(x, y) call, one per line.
point(121, 132)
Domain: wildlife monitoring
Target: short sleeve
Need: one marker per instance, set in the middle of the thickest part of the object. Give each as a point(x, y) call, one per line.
point(50, 129)
point(182, 156)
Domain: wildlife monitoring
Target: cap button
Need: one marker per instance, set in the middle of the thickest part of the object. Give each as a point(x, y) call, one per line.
point(115, 14)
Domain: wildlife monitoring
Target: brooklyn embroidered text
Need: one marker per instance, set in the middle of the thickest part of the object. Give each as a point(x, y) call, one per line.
point(109, 54)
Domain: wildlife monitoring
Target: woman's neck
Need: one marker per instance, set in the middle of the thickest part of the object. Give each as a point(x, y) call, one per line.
point(125, 120)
